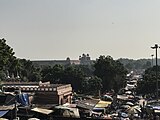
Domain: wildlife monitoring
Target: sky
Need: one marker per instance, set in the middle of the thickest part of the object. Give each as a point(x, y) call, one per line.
point(57, 29)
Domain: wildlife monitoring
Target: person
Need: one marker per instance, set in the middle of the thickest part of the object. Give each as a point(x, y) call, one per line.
point(142, 111)
point(143, 104)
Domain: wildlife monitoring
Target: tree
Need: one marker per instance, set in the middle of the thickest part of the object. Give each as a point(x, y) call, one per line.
point(6, 58)
point(148, 84)
point(58, 72)
point(2, 76)
point(90, 83)
point(52, 74)
point(87, 69)
point(13, 66)
point(74, 76)
point(111, 72)
point(27, 71)
point(6, 53)
point(139, 64)
point(47, 74)
point(147, 65)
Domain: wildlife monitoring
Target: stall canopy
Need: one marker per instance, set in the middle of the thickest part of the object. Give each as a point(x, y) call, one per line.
point(102, 104)
point(2, 113)
point(87, 104)
point(67, 112)
point(41, 110)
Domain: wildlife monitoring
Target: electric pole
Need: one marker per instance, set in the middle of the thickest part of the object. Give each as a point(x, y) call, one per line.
point(156, 47)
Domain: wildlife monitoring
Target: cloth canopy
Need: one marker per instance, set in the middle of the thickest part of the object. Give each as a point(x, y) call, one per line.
point(41, 110)
point(2, 113)
point(102, 104)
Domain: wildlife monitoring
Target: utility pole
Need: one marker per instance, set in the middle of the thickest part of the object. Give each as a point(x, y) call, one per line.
point(152, 60)
point(156, 47)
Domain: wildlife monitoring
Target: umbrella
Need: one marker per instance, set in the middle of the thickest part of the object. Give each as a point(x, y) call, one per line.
point(129, 103)
point(134, 110)
point(128, 92)
point(114, 114)
point(33, 119)
point(107, 98)
point(124, 115)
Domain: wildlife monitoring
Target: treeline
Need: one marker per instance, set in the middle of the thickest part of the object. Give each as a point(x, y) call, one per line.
point(131, 64)
point(105, 74)
point(148, 85)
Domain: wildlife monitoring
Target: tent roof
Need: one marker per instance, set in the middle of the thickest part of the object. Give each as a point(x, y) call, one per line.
point(2, 113)
point(41, 110)
point(102, 104)
point(11, 107)
point(87, 104)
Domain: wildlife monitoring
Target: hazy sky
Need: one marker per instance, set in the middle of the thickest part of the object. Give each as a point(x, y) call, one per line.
point(57, 29)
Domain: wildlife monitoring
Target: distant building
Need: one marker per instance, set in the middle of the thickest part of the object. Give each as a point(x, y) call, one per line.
point(83, 60)
point(44, 93)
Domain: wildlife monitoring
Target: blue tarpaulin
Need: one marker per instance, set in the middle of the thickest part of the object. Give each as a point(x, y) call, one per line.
point(23, 99)
point(2, 113)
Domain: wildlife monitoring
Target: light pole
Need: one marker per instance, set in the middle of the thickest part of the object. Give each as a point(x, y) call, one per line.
point(156, 47)
point(152, 59)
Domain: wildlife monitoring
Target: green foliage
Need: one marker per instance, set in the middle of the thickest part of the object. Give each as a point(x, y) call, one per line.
point(131, 64)
point(6, 54)
point(52, 74)
point(74, 76)
point(12, 66)
point(86, 69)
point(148, 85)
point(90, 83)
point(70, 75)
point(111, 72)
point(2, 75)
point(7, 59)
point(27, 71)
